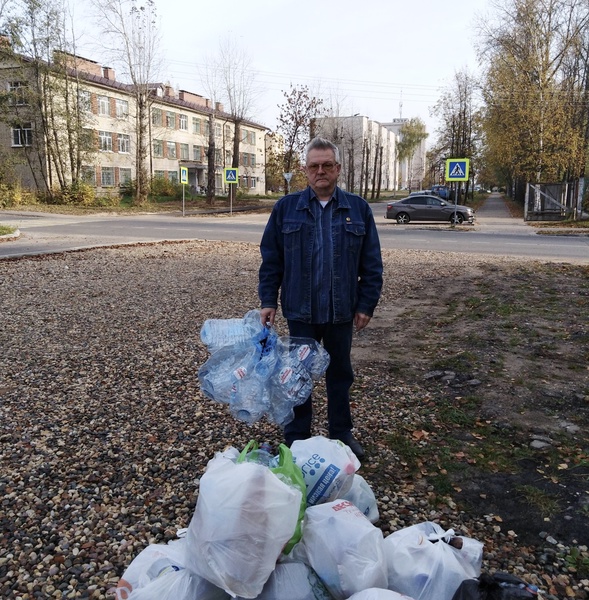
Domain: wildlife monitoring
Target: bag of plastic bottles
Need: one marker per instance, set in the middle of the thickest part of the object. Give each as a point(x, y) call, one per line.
point(284, 467)
point(361, 495)
point(343, 548)
point(378, 594)
point(158, 573)
point(328, 467)
point(245, 516)
point(294, 581)
point(428, 563)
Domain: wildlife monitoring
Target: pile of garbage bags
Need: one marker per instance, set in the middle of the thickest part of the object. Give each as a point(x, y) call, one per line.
point(255, 371)
point(299, 525)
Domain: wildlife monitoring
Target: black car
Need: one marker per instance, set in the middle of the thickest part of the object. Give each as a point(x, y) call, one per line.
point(428, 208)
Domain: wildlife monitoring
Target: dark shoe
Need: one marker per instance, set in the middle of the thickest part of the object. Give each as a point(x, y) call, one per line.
point(289, 439)
point(354, 445)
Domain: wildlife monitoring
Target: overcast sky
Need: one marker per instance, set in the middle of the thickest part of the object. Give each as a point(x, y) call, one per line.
point(368, 55)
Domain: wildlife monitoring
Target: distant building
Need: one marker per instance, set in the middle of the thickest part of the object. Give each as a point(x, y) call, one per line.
point(411, 170)
point(178, 130)
point(368, 153)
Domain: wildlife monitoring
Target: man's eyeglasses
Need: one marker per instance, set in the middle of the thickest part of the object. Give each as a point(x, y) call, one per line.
point(327, 167)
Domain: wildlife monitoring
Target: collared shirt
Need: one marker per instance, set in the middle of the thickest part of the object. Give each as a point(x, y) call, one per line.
point(321, 300)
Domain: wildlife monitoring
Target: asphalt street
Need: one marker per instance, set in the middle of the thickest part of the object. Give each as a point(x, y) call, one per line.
point(495, 232)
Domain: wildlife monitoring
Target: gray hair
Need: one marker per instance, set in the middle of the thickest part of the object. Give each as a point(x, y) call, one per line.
point(319, 143)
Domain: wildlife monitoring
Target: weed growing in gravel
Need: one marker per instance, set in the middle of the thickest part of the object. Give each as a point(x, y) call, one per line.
point(578, 561)
point(545, 503)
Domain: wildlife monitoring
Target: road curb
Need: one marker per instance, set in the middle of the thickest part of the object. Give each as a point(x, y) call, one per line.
point(10, 236)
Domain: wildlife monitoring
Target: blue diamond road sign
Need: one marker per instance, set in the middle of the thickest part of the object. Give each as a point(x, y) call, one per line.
point(457, 169)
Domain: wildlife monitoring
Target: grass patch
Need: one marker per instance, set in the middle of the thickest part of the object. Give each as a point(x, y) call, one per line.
point(546, 504)
point(7, 229)
point(405, 449)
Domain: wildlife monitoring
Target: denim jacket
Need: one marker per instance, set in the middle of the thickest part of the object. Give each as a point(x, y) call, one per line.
point(287, 246)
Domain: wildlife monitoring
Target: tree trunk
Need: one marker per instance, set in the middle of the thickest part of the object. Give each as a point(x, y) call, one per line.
point(211, 162)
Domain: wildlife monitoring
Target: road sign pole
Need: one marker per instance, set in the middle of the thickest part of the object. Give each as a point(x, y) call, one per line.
point(183, 201)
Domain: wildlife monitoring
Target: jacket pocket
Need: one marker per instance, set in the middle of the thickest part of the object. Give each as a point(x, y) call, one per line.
point(354, 237)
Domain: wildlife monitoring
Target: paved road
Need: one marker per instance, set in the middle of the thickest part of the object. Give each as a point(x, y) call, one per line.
point(495, 232)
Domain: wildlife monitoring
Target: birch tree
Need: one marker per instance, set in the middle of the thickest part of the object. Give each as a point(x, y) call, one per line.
point(132, 29)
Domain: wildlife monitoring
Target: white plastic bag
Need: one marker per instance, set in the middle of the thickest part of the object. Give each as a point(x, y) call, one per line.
point(343, 548)
point(378, 594)
point(294, 581)
point(422, 564)
point(328, 467)
point(158, 573)
point(362, 496)
point(244, 517)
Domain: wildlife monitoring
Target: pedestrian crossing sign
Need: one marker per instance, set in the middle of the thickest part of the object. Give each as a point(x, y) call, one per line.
point(184, 175)
point(457, 169)
point(231, 175)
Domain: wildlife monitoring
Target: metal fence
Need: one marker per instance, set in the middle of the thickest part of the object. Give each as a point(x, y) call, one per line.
point(552, 201)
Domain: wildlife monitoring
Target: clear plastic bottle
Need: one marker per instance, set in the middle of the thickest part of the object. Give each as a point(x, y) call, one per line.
point(290, 384)
point(218, 333)
point(219, 374)
point(310, 353)
point(263, 455)
point(249, 399)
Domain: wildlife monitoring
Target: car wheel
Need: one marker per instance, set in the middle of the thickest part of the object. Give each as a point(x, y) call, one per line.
point(457, 218)
point(403, 218)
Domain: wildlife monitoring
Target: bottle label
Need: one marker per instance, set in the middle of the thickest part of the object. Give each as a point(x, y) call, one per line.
point(303, 352)
point(285, 375)
point(240, 372)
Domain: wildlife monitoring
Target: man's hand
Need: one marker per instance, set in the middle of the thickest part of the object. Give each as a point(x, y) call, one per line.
point(360, 321)
point(267, 316)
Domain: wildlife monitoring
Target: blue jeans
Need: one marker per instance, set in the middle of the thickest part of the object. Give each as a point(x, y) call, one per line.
point(337, 340)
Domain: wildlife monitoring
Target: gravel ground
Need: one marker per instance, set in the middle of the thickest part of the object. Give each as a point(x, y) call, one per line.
point(104, 431)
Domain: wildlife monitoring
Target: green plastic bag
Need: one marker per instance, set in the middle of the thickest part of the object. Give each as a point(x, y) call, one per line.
point(289, 472)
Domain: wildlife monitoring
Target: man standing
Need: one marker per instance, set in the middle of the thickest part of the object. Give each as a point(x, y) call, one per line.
point(321, 249)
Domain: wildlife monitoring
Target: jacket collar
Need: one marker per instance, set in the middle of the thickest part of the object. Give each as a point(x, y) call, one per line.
point(339, 198)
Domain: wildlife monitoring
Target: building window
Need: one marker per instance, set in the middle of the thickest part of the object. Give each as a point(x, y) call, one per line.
point(244, 135)
point(105, 141)
point(158, 148)
point(207, 128)
point(227, 132)
point(88, 175)
point(107, 176)
point(196, 153)
point(227, 157)
point(251, 137)
point(171, 149)
point(124, 176)
point(196, 125)
point(218, 181)
point(245, 159)
point(159, 174)
point(156, 117)
point(218, 130)
point(103, 105)
point(124, 143)
point(252, 182)
point(122, 109)
point(183, 122)
point(17, 91)
point(173, 176)
point(170, 120)
point(22, 135)
point(252, 160)
point(85, 101)
point(218, 157)
point(184, 152)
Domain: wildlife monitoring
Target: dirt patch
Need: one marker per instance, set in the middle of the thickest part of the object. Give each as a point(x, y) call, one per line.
point(502, 355)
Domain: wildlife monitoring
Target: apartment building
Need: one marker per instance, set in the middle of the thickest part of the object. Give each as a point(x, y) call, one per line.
point(412, 169)
point(179, 127)
point(367, 152)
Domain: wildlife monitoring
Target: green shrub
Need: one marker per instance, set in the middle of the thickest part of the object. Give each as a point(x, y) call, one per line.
point(160, 186)
point(14, 195)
